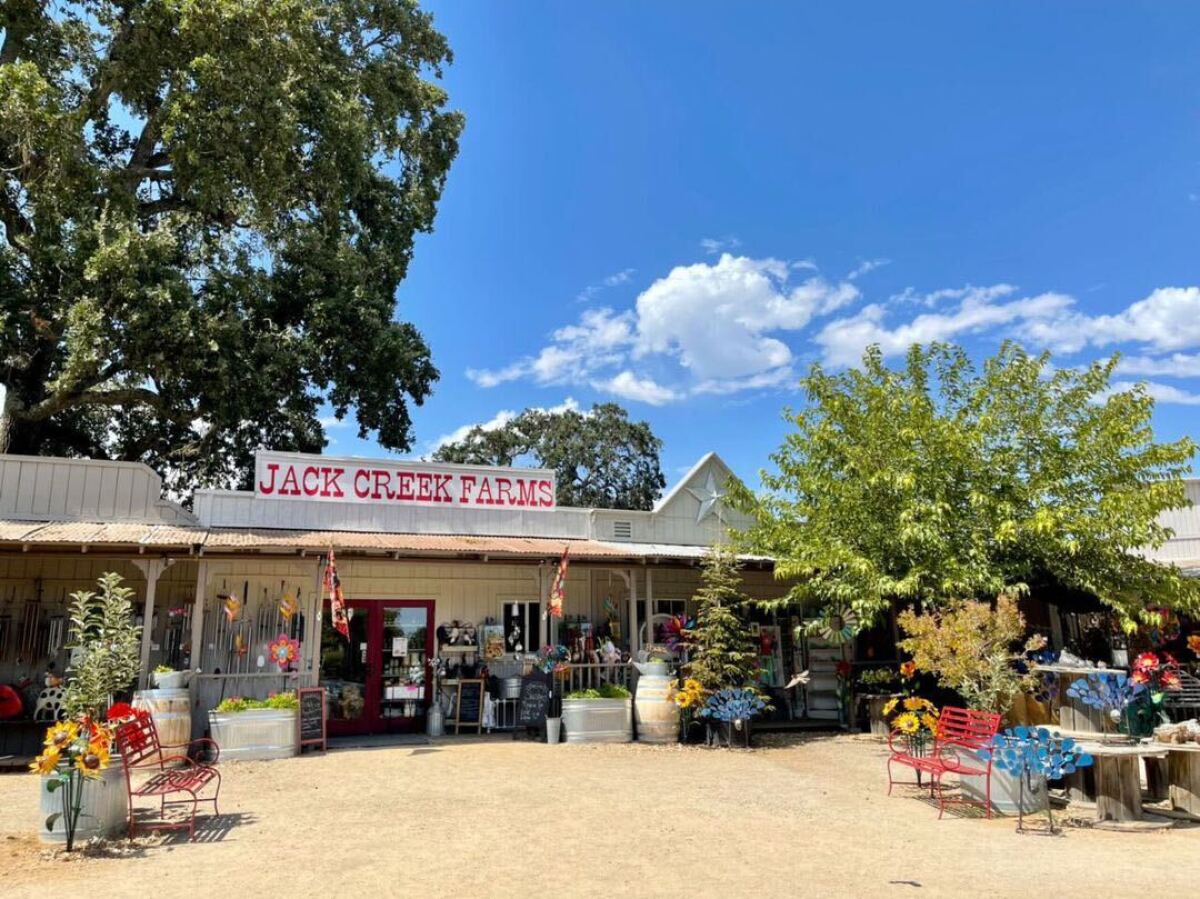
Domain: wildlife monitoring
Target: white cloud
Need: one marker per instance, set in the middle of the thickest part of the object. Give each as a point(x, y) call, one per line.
point(629, 386)
point(616, 279)
point(844, 340)
point(718, 319)
point(1161, 393)
point(1168, 319)
point(761, 381)
point(714, 245)
point(332, 421)
point(865, 267)
point(620, 277)
point(1177, 365)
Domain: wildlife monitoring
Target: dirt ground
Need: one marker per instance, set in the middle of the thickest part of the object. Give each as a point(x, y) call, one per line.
point(808, 817)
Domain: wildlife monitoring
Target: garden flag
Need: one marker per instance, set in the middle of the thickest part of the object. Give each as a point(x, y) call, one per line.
point(558, 589)
point(337, 602)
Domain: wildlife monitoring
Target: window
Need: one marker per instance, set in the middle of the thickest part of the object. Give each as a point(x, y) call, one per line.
point(522, 626)
point(670, 607)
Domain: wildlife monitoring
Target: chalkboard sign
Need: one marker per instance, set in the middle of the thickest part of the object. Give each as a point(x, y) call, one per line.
point(312, 717)
point(534, 702)
point(468, 707)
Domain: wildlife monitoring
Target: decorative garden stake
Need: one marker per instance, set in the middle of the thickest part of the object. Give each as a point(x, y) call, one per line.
point(1034, 756)
point(1109, 692)
point(733, 708)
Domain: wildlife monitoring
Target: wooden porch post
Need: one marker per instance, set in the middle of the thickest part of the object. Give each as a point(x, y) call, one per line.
point(151, 569)
point(311, 669)
point(649, 605)
point(197, 654)
point(635, 636)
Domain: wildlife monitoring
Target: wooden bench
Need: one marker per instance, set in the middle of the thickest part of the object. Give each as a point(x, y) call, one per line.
point(141, 753)
point(960, 734)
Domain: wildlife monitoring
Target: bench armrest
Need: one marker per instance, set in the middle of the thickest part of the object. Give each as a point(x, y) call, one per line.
point(216, 750)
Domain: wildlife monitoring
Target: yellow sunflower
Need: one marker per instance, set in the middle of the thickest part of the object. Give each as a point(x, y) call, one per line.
point(46, 763)
point(907, 723)
point(94, 759)
point(62, 735)
point(930, 722)
point(913, 703)
point(890, 706)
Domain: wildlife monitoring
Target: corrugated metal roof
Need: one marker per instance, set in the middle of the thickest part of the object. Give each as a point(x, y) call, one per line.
point(215, 540)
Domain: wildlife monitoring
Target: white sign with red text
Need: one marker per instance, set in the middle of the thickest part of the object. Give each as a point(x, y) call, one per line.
point(381, 482)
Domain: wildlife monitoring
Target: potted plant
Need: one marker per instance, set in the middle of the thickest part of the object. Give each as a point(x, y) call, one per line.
point(164, 677)
point(600, 715)
point(256, 728)
point(968, 646)
point(876, 687)
point(105, 646)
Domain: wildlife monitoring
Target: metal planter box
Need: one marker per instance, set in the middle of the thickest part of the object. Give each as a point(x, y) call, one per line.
point(255, 733)
point(598, 720)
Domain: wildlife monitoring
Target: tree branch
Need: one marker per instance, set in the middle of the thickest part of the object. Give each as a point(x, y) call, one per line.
point(17, 228)
point(120, 396)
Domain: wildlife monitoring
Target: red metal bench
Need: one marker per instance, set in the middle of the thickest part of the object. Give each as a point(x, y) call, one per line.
point(137, 741)
point(960, 732)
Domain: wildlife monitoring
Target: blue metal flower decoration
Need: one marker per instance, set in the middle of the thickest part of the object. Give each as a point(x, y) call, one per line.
point(1105, 691)
point(1030, 753)
point(733, 704)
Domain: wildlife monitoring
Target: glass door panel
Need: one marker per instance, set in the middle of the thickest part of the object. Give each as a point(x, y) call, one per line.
point(345, 670)
point(404, 650)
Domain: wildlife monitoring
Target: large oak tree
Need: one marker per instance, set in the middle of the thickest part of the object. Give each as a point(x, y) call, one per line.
point(206, 207)
point(600, 458)
point(939, 482)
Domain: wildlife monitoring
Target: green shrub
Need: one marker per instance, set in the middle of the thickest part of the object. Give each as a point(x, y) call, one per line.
point(607, 691)
point(235, 704)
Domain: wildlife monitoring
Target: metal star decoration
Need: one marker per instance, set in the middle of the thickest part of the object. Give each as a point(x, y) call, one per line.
point(710, 498)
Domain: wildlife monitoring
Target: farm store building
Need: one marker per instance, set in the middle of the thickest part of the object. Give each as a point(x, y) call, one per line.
point(439, 561)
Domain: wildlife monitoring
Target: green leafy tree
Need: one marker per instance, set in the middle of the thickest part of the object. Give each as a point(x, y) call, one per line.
point(600, 458)
point(105, 647)
point(206, 207)
point(938, 482)
point(721, 649)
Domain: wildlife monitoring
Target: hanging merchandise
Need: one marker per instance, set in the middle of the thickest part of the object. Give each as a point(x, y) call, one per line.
point(288, 605)
point(558, 589)
point(240, 648)
point(284, 651)
point(231, 605)
point(337, 600)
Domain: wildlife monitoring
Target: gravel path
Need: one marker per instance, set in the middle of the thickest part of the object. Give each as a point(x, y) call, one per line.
point(495, 818)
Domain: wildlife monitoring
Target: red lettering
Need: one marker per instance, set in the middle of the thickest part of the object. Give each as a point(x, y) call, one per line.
point(272, 467)
point(290, 478)
point(504, 495)
point(316, 476)
point(547, 491)
point(527, 493)
point(381, 485)
point(360, 491)
point(440, 493)
point(423, 492)
point(332, 487)
point(406, 485)
point(468, 484)
point(485, 494)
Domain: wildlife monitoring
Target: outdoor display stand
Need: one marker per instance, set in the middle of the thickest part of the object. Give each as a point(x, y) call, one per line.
point(534, 703)
point(311, 720)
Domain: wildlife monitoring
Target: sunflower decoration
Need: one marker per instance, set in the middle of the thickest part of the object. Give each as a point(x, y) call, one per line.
point(890, 706)
point(913, 717)
point(690, 695)
point(1194, 643)
point(47, 762)
point(283, 651)
point(61, 735)
point(94, 758)
point(907, 723)
point(838, 626)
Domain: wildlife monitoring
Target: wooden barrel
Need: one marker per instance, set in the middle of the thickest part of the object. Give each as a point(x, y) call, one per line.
point(655, 711)
point(172, 714)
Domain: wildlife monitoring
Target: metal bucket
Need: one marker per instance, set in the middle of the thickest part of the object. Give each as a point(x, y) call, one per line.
point(104, 809)
point(655, 711)
point(598, 720)
point(255, 733)
point(510, 688)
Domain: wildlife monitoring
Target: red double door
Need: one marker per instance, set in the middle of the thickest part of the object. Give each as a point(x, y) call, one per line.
point(377, 679)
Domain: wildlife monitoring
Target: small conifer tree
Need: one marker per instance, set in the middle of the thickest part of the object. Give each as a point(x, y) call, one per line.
point(722, 650)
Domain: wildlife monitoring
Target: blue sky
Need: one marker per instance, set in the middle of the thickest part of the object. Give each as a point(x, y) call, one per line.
point(680, 206)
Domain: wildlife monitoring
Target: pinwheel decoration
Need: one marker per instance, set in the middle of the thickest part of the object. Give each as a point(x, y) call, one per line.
point(284, 651)
point(838, 626)
point(1163, 627)
point(1034, 755)
point(674, 631)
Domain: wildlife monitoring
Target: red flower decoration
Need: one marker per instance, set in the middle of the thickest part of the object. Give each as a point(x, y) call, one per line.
point(843, 669)
point(119, 711)
point(1140, 676)
point(1170, 680)
point(1147, 661)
